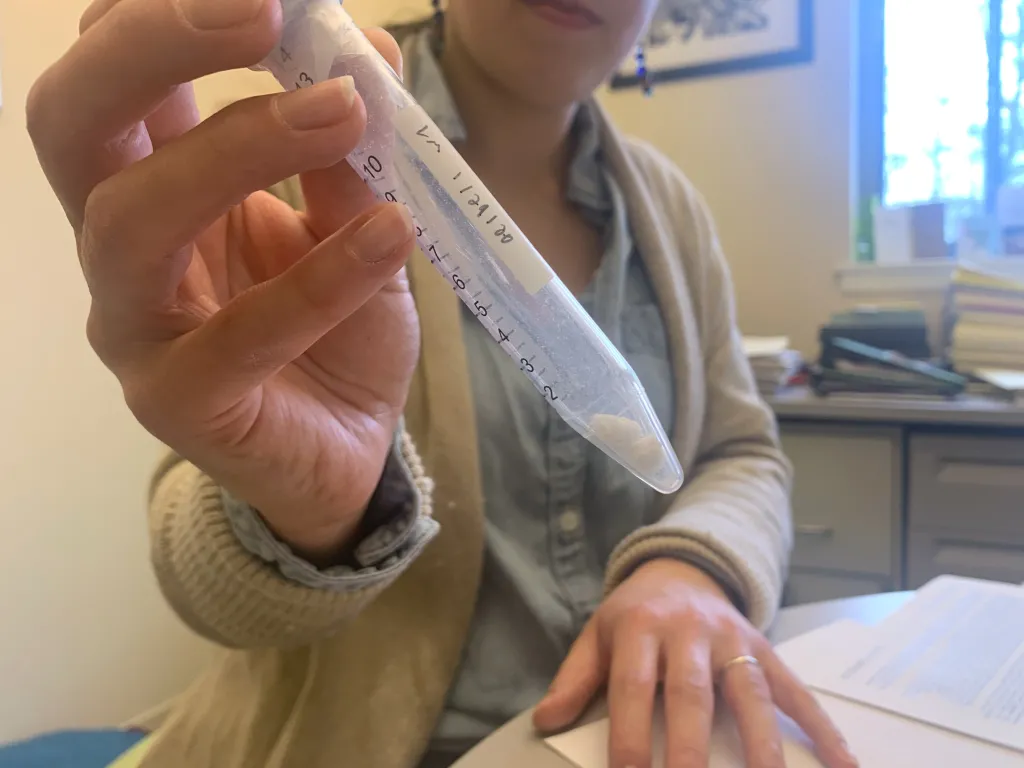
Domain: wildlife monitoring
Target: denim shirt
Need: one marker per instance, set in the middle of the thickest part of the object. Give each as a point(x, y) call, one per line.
point(555, 506)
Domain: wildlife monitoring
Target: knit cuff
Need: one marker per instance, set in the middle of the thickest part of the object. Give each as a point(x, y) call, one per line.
point(394, 530)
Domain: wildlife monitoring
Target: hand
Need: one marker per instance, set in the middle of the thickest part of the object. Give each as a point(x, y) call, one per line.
point(274, 350)
point(671, 624)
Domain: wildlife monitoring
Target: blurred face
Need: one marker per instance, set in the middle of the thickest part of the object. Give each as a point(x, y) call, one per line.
point(550, 52)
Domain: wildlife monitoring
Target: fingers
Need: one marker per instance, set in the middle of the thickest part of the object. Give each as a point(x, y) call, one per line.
point(689, 703)
point(746, 691)
point(335, 195)
point(796, 701)
point(180, 190)
point(577, 683)
point(272, 324)
point(85, 113)
point(175, 116)
point(632, 685)
point(387, 46)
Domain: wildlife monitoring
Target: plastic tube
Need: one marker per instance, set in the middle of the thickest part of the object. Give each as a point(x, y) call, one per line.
point(477, 248)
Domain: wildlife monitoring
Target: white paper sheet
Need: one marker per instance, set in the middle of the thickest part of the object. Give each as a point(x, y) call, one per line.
point(763, 346)
point(952, 657)
point(587, 747)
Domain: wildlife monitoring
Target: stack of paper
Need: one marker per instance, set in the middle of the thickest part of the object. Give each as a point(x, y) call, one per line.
point(773, 362)
point(938, 684)
point(1008, 383)
point(987, 312)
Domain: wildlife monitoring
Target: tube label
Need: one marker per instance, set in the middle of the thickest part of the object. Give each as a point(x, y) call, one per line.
point(476, 203)
point(316, 34)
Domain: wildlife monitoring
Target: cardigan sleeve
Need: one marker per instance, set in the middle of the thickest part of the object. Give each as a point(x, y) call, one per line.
point(732, 516)
point(239, 588)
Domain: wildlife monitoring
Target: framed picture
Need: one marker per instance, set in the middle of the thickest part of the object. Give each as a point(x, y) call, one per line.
point(702, 38)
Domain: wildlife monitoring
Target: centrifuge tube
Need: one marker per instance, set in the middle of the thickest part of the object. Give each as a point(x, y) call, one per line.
point(477, 248)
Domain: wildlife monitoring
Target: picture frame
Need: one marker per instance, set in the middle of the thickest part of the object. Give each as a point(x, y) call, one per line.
point(706, 38)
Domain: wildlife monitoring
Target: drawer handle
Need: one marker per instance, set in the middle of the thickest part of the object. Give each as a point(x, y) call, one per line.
point(820, 531)
point(968, 560)
point(972, 473)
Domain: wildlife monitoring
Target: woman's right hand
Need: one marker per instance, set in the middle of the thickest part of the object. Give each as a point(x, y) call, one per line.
point(272, 349)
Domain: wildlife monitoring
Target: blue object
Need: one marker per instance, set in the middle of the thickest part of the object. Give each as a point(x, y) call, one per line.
point(641, 70)
point(70, 749)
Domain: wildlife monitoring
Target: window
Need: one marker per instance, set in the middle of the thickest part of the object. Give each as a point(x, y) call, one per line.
point(942, 103)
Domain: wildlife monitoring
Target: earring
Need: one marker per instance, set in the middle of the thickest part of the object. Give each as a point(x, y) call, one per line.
point(438, 25)
point(641, 70)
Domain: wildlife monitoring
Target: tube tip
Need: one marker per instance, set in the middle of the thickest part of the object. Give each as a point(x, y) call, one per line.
point(640, 447)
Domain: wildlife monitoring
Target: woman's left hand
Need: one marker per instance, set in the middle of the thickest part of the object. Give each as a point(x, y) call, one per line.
point(670, 624)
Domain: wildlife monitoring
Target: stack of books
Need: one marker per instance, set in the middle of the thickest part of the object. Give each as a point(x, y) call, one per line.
point(775, 365)
point(986, 319)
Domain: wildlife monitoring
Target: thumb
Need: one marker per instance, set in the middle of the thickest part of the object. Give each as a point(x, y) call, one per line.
point(577, 683)
point(336, 195)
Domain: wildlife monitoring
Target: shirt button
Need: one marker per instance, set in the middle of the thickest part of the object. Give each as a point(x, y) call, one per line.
point(570, 521)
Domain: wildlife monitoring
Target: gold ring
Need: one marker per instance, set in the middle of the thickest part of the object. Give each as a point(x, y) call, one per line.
point(751, 660)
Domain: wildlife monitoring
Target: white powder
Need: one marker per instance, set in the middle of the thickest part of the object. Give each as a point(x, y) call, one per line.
point(626, 438)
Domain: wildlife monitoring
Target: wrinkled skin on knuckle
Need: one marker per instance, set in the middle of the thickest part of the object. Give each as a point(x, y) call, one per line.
point(630, 684)
point(647, 616)
point(689, 690)
point(688, 756)
point(101, 226)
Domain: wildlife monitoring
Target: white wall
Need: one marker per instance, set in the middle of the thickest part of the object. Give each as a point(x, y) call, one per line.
point(85, 638)
point(773, 153)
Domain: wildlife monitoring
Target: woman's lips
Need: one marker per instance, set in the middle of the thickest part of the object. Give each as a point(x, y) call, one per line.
point(568, 14)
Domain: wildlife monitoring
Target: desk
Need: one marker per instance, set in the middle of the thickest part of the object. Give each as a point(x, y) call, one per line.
point(966, 411)
point(517, 746)
point(891, 492)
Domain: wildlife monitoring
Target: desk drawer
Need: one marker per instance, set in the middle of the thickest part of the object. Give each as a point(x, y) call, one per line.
point(938, 552)
point(810, 587)
point(966, 483)
point(846, 496)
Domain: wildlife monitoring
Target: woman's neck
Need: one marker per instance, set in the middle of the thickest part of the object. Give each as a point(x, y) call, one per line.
point(508, 138)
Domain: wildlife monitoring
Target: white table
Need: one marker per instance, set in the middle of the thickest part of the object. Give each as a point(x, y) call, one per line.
point(517, 745)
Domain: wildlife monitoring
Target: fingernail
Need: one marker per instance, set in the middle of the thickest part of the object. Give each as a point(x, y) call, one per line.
point(381, 236)
point(321, 106)
point(219, 14)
